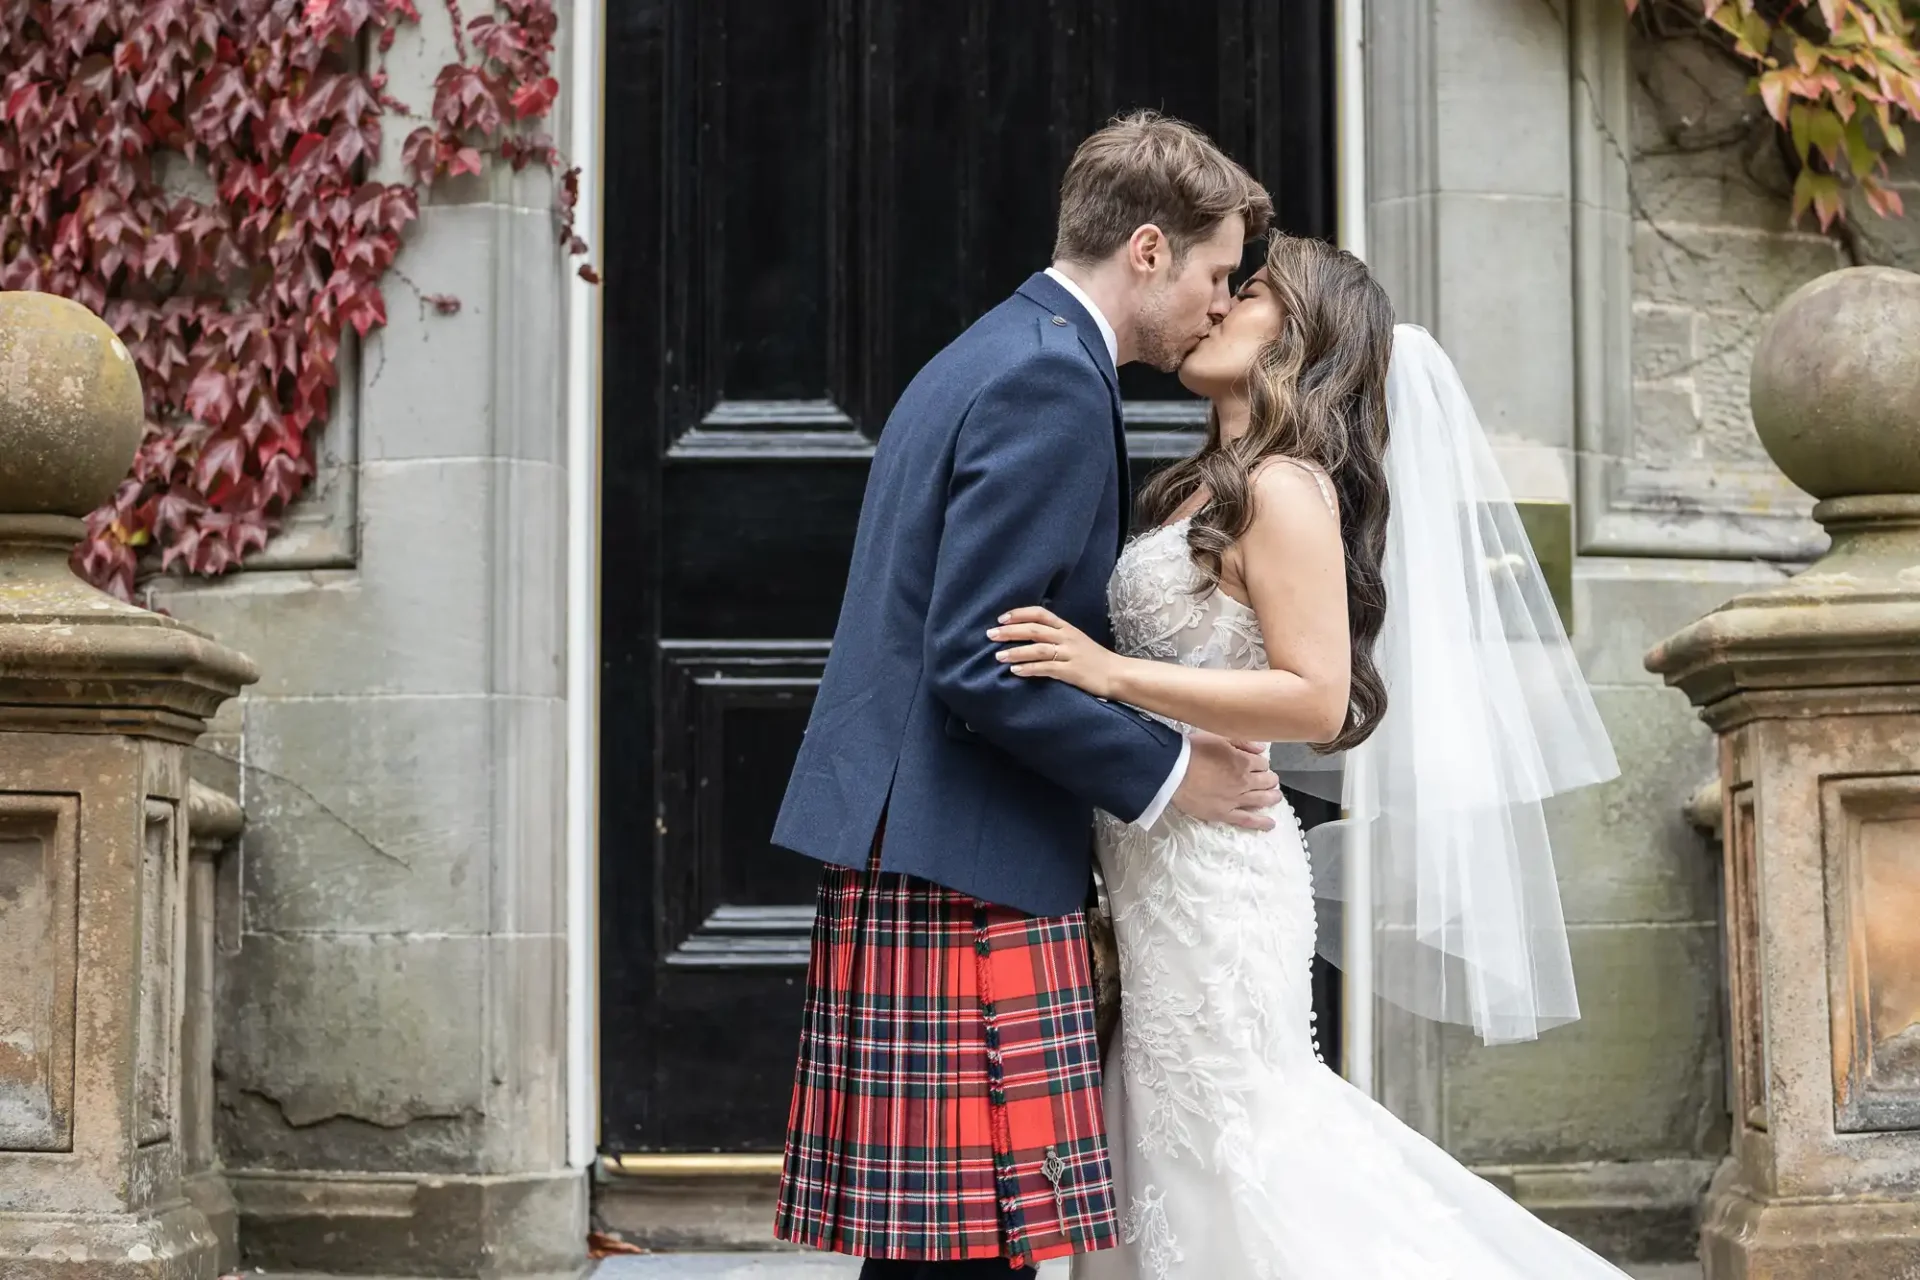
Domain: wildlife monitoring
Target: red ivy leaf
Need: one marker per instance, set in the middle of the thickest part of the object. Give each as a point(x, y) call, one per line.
point(535, 98)
point(21, 100)
point(94, 75)
point(282, 477)
point(308, 144)
point(366, 311)
point(225, 457)
point(210, 396)
point(418, 153)
point(174, 509)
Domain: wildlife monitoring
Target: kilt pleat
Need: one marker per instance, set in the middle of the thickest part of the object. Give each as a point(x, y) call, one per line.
point(946, 1103)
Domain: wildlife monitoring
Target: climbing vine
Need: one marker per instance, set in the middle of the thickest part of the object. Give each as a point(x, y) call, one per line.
point(1841, 76)
point(198, 173)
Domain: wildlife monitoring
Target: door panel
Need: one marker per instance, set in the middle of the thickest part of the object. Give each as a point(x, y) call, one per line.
point(807, 199)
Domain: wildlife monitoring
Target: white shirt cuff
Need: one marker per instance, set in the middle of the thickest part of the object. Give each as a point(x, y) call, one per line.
point(1174, 779)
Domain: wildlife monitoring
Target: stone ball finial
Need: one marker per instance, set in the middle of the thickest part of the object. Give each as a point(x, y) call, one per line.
point(71, 412)
point(1836, 384)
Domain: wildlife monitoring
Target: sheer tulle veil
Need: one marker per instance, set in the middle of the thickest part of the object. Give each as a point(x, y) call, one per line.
point(1488, 716)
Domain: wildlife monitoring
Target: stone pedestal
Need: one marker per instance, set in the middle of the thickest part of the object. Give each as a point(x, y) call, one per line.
point(98, 704)
point(1814, 689)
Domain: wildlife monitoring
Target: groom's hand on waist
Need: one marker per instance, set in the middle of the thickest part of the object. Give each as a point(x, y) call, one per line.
point(1228, 782)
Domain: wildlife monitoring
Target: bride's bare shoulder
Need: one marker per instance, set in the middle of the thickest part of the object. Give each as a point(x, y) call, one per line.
point(1279, 484)
point(1295, 525)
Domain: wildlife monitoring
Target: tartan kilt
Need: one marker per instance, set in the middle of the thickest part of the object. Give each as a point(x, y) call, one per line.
point(947, 1101)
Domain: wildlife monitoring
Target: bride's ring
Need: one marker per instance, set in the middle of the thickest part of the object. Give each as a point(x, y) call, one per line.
point(1055, 655)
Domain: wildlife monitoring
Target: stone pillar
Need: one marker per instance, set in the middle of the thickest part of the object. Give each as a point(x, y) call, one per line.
point(1814, 689)
point(214, 822)
point(98, 704)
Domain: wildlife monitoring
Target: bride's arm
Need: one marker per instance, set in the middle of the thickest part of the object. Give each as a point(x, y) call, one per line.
point(1295, 576)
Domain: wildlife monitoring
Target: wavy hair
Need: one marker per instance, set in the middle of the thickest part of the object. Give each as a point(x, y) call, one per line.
point(1317, 392)
point(1148, 168)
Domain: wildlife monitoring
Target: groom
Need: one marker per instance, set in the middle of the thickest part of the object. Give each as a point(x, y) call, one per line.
point(946, 1116)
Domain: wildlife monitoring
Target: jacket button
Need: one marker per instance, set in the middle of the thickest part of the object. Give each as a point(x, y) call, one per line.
point(1060, 320)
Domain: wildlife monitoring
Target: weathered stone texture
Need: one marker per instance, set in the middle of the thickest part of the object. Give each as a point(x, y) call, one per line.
point(214, 820)
point(528, 1227)
point(97, 703)
point(391, 972)
point(70, 406)
point(1713, 255)
point(1637, 1078)
point(1625, 853)
point(1704, 150)
point(1809, 684)
point(1839, 356)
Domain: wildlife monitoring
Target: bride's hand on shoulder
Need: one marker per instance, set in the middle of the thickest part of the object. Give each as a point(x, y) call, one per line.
point(1043, 644)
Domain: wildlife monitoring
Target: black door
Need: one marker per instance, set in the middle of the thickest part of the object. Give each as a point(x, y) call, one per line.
point(805, 200)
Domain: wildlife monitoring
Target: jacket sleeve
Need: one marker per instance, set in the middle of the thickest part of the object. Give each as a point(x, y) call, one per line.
point(1030, 470)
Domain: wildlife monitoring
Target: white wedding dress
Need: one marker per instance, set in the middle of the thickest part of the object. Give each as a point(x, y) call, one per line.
point(1237, 1153)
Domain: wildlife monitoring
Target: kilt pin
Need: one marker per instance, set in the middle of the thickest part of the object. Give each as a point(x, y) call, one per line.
point(947, 1101)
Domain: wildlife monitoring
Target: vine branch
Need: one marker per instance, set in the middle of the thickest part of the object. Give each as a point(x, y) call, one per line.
point(1841, 77)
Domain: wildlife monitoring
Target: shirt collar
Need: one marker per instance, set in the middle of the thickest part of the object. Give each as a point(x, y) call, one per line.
point(1079, 295)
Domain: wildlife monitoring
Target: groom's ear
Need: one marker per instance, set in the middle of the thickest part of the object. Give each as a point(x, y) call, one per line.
point(1147, 248)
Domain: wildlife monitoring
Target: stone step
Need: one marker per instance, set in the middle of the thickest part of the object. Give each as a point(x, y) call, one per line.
point(802, 1266)
point(790, 1265)
point(750, 1266)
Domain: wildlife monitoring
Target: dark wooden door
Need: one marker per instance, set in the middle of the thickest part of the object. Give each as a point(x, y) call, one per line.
point(805, 200)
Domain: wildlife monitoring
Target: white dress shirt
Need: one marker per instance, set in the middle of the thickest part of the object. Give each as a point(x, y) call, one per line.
point(1107, 335)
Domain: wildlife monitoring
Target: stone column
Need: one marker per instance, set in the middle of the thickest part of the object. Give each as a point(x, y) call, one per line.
point(98, 704)
point(214, 823)
point(1814, 689)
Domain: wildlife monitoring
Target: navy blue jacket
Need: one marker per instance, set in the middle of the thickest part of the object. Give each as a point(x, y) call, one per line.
point(999, 481)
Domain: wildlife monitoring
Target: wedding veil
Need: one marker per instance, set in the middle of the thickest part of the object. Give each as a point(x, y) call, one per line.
point(1487, 716)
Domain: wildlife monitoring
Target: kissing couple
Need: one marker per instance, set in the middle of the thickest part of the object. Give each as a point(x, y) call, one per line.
point(1336, 583)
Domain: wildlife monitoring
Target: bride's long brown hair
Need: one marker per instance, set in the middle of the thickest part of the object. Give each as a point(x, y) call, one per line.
point(1318, 392)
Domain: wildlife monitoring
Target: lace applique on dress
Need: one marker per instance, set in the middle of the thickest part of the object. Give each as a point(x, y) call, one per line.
point(1146, 1226)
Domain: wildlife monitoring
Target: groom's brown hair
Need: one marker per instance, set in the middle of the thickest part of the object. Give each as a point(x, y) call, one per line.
point(1148, 168)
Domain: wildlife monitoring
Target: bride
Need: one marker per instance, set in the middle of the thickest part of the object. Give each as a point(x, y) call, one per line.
point(1340, 565)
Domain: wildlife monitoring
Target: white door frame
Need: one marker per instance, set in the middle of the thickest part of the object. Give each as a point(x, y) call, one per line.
point(586, 46)
point(1350, 166)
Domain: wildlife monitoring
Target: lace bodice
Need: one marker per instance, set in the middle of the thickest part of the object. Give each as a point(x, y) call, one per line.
point(1162, 608)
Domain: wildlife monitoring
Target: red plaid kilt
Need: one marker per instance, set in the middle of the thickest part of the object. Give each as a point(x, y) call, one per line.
point(947, 1100)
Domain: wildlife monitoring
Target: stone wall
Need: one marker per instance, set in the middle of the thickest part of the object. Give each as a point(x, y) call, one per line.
point(1714, 254)
point(392, 1081)
point(1623, 201)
